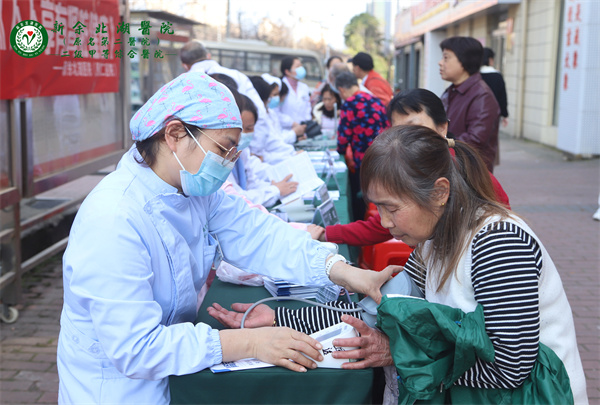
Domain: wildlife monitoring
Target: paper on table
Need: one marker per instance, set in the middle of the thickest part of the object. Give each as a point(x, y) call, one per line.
point(244, 364)
point(333, 194)
point(317, 156)
point(338, 167)
point(303, 172)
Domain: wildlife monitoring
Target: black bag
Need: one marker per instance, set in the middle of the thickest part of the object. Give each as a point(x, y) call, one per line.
point(312, 128)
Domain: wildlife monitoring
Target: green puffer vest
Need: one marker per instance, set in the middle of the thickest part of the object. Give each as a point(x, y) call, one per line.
point(433, 345)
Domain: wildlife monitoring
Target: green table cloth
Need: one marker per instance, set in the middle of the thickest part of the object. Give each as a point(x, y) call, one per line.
point(273, 385)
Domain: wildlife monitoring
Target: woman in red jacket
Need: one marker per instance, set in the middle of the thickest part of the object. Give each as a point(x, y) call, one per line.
point(411, 107)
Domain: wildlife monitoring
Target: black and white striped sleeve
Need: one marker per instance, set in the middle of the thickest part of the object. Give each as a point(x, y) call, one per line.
point(416, 271)
point(313, 319)
point(505, 273)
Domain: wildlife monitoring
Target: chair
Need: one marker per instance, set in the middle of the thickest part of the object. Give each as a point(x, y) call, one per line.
point(378, 257)
point(371, 211)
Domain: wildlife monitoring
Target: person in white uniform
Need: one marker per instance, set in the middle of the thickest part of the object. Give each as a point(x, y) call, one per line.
point(143, 243)
point(291, 131)
point(245, 181)
point(196, 58)
point(297, 102)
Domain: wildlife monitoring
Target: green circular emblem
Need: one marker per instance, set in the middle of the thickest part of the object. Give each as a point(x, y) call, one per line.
point(29, 38)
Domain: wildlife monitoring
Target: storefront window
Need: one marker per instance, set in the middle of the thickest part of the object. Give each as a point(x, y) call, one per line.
point(73, 129)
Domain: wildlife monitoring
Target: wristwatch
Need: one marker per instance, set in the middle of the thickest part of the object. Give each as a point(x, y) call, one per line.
point(333, 260)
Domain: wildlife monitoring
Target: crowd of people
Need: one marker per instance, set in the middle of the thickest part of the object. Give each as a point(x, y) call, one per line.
point(190, 196)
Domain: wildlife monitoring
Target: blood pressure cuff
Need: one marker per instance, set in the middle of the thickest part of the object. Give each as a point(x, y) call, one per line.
point(312, 128)
point(433, 345)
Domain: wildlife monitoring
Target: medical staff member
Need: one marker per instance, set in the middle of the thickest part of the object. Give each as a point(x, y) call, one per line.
point(142, 245)
point(297, 102)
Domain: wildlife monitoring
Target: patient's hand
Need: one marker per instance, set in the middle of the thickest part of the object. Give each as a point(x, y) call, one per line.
point(373, 346)
point(261, 315)
point(316, 232)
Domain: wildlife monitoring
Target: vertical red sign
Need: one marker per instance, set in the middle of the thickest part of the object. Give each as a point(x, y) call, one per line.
point(572, 45)
point(80, 54)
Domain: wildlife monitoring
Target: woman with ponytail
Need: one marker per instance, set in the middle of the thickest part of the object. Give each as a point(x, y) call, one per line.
point(470, 251)
point(410, 107)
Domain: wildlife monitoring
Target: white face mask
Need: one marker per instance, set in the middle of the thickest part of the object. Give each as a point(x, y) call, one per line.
point(211, 175)
point(245, 140)
point(274, 102)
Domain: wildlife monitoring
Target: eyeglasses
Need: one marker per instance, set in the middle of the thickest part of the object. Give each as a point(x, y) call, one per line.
point(231, 154)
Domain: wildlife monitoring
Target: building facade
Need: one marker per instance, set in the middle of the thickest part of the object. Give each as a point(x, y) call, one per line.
point(546, 50)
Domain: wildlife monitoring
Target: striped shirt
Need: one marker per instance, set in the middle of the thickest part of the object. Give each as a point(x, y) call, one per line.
point(313, 319)
point(505, 274)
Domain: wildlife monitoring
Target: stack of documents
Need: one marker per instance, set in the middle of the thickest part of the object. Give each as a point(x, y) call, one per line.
point(333, 194)
point(303, 172)
point(282, 288)
point(323, 166)
point(319, 156)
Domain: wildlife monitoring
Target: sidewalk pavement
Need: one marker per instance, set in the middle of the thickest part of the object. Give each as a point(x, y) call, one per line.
point(556, 197)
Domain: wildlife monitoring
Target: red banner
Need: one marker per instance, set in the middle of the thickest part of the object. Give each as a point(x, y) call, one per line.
point(80, 54)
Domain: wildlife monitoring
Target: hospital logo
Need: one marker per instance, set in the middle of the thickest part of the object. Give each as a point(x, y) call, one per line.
point(29, 38)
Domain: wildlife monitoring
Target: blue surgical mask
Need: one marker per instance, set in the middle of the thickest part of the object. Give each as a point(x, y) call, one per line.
point(300, 73)
point(245, 140)
point(273, 102)
point(213, 172)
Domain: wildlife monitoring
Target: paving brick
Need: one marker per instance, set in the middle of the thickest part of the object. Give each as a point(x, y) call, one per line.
point(48, 398)
point(17, 385)
point(7, 374)
point(48, 358)
point(36, 376)
point(51, 386)
point(25, 365)
point(19, 397)
point(16, 356)
point(32, 341)
point(35, 349)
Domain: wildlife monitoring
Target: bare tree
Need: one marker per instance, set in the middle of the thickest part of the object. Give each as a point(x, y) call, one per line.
point(310, 44)
point(275, 34)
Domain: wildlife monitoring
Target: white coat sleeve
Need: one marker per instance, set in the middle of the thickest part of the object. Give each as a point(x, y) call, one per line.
point(284, 120)
point(261, 133)
point(266, 194)
point(261, 193)
point(108, 268)
point(306, 108)
point(261, 128)
point(256, 170)
point(289, 136)
point(283, 152)
point(263, 244)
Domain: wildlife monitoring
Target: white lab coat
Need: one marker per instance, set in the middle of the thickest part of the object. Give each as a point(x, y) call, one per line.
point(297, 102)
point(246, 88)
point(275, 148)
point(256, 169)
point(138, 255)
point(284, 120)
point(259, 191)
point(284, 123)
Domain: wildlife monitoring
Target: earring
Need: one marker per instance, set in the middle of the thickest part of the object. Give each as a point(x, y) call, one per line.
point(443, 204)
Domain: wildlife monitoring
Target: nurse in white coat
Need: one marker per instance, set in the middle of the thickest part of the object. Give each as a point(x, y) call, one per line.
point(297, 102)
point(143, 243)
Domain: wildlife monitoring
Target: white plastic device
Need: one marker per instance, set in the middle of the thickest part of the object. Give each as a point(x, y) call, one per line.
point(326, 337)
point(401, 284)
